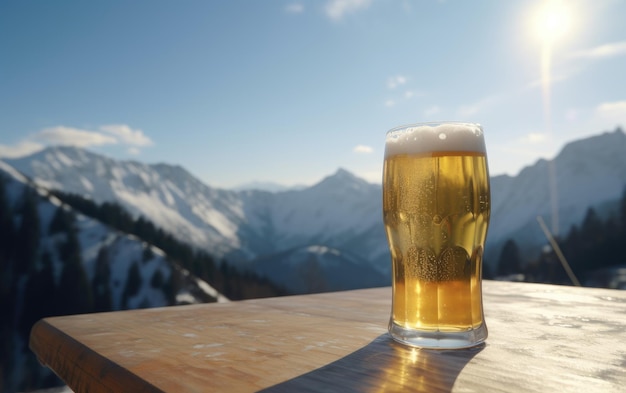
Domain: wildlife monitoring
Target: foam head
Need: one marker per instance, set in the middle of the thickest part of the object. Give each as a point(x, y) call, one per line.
point(435, 137)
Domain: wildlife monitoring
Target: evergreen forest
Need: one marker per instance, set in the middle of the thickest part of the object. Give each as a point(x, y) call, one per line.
point(31, 288)
point(595, 252)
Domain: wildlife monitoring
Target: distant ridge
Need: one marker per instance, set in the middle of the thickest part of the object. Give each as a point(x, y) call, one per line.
point(589, 172)
point(341, 212)
point(266, 186)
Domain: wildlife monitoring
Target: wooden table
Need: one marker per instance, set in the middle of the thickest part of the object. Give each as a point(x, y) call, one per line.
point(542, 338)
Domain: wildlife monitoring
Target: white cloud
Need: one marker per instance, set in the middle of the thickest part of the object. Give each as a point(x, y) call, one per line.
point(295, 8)
point(617, 108)
point(116, 134)
point(336, 9)
point(362, 149)
point(21, 149)
point(62, 135)
point(396, 81)
point(610, 114)
point(400, 93)
point(603, 51)
point(127, 135)
point(534, 138)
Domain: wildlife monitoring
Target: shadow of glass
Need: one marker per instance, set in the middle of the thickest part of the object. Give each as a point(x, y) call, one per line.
point(384, 366)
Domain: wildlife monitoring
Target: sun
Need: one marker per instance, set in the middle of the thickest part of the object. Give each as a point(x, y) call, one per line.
point(552, 21)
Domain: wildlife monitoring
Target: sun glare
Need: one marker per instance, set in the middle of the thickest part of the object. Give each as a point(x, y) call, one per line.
point(552, 21)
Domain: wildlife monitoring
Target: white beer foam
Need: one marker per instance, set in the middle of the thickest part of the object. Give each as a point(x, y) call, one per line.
point(435, 137)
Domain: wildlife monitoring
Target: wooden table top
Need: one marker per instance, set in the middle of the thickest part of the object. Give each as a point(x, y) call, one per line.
point(542, 338)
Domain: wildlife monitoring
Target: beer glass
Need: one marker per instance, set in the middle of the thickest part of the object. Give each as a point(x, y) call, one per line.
point(436, 207)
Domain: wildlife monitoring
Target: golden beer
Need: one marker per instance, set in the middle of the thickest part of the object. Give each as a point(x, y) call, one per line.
point(436, 206)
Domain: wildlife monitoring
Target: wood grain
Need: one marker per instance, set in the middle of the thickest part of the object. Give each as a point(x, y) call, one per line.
point(541, 338)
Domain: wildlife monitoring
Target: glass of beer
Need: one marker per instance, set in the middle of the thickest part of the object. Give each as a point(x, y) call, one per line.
point(436, 207)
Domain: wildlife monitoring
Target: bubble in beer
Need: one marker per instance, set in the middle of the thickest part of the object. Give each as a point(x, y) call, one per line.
point(421, 263)
point(454, 264)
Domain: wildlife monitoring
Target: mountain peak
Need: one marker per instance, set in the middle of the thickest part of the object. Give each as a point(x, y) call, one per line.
point(343, 175)
point(608, 140)
point(64, 155)
point(340, 180)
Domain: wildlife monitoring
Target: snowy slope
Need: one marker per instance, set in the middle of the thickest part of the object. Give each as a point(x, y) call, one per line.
point(318, 268)
point(588, 173)
point(333, 213)
point(167, 195)
point(236, 225)
point(123, 251)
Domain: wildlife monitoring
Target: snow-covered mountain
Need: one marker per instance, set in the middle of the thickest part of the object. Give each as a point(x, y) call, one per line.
point(167, 195)
point(589, 173)
point(342, 212)
point(122, 251)
point(315, 268)
point(333, 213)
point(236, 225)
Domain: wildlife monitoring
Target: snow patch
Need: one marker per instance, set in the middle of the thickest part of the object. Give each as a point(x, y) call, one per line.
point(87, 184)
point(63, 159)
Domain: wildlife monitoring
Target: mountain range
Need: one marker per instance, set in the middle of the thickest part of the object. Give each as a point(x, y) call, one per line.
point(333, 228)
point(123, 250)
point(586, 173)
point(342, 212)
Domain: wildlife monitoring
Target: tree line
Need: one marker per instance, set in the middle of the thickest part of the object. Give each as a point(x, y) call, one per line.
point(590, 247)
point(33, 286)
point(233, 283)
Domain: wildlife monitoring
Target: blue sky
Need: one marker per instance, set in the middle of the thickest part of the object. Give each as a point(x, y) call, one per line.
point(288, 91)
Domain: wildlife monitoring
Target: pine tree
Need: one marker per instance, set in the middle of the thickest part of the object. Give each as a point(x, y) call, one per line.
point(592, 238)
point(6, 260)
point(623, 215)
point(39, 295)
point(157, 281)
point(7, 292)
point(28, 233)
point(591, 229)
point(133, 284)
point(61, 221)
point(7, 232)
point(75, 293)
point(509, 262)
point(621, 254)
point(103, 299)
point(571, 248)
point(147, 254)
point(609, 252)
point(172, 285)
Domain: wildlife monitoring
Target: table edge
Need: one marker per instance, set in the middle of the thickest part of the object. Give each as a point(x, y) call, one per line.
point(80, 367)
